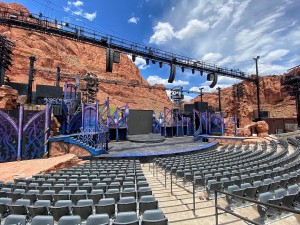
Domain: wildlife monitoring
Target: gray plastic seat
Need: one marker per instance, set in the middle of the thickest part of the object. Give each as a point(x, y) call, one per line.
point(98, 219)
point(78, 195)
point(262, 210)
point(84, 208)
point(128, 192)
point(15, 219)
point(40, 207)
point(16, 194)
point(230, 199)
point(42, 220)
point(113, 193)
point(147, 202)
point(4, 206)
point(106, 205)
point(31, 195)
point(154, 217)
point(128, 218)
point(96, 195)
point(69, 220)
point(20, 207)
point(127, 204)
point(61, 208)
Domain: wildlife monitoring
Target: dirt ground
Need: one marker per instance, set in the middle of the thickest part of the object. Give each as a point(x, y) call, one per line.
point(27, 168)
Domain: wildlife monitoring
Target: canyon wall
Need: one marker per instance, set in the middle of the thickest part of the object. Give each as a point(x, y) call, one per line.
point(78, 58)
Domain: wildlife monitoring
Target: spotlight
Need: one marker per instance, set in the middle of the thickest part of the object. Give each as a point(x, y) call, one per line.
point(133, 57)
point(201, 73)
point(193, 71)
point(160, 64)
point(182, 69)
point(147, 61)
point(153, 61)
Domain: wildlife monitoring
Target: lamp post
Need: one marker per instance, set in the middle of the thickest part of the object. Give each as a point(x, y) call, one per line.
point(201, 93)
point(219, 93)
point(257, 87)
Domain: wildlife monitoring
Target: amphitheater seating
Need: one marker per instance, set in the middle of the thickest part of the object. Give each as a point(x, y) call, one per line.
point(108, 190)
point(262, 173)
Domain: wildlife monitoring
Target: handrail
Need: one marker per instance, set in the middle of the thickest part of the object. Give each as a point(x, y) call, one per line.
point(217, 207)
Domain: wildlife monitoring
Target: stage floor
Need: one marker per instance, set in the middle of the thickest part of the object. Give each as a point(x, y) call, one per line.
point(169, 146)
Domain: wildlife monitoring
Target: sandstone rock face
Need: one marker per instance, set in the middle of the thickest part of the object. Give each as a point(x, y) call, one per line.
point(273, 98)
point(61, 148)
point(54, 126)
point(8, 97)
point(78, 58)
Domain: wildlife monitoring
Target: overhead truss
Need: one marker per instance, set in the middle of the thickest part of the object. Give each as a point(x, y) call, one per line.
point(40, 23)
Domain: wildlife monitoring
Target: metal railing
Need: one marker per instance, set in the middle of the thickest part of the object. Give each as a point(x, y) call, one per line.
point(217, 207)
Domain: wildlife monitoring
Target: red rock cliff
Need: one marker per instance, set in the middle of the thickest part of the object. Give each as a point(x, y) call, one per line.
point(78, 58)
point(273, 98)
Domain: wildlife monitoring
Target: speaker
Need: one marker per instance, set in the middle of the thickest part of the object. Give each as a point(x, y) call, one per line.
point(201, 106)
point(188, 108)
point(117, 57)
point(215, 80)
point(172, 73)
point(57, 110)
point(210, 77)
point(109, 59)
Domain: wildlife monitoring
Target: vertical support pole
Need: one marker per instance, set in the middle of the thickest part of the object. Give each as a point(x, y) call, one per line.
point(165, 123)
point(165, 178)
point(216, 209)
point(153, 168)
point(20, 132)
point(57, 76)
point(2, 74)
point(47, 129)
point(171, 182)
point(82, 115)
point(97, 116)
point(219, 94)
point(194, 197)
point(30, 79)
point(257, 87)
point(68, 116)
point(177, 131)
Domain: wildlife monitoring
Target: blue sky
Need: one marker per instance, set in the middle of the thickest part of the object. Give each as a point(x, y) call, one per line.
point(225, 32)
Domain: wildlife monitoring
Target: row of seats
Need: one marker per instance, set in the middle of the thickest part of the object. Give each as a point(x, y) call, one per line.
point(154, 217)
point(110, 187)
point(83, 208)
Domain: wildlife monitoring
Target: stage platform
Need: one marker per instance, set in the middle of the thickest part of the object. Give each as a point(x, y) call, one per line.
point(146, 138)
point(171, 146)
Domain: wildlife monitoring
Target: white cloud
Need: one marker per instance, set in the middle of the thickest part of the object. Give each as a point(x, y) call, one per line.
point(188, 98)
point(212, 57)
point(163, 32)
point(76, 9)
point(139, 62)
point(133, 20)
point(193, 27)
point(238, 31)
point(66, 9)
point(90, 16)
point(275, 55)
point(158, 80)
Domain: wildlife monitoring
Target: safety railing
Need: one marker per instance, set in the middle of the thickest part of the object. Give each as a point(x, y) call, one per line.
point(217, 207)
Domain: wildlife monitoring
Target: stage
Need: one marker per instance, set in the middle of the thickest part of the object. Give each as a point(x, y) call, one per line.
point(147, 150)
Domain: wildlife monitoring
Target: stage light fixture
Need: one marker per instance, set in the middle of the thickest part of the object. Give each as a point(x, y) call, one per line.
point(133, 57)
point(193, 71)
point(172, 73)
point(147, 61)
point(182, 69)
point(201, 73)
point(160, 64)
point(153, 61)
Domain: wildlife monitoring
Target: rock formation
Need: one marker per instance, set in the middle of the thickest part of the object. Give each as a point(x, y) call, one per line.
point(78, 58)
point(8, 97)
point(273, 98)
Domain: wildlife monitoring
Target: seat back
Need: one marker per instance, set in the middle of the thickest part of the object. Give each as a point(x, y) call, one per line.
point(42, 220)
point(70, 220)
